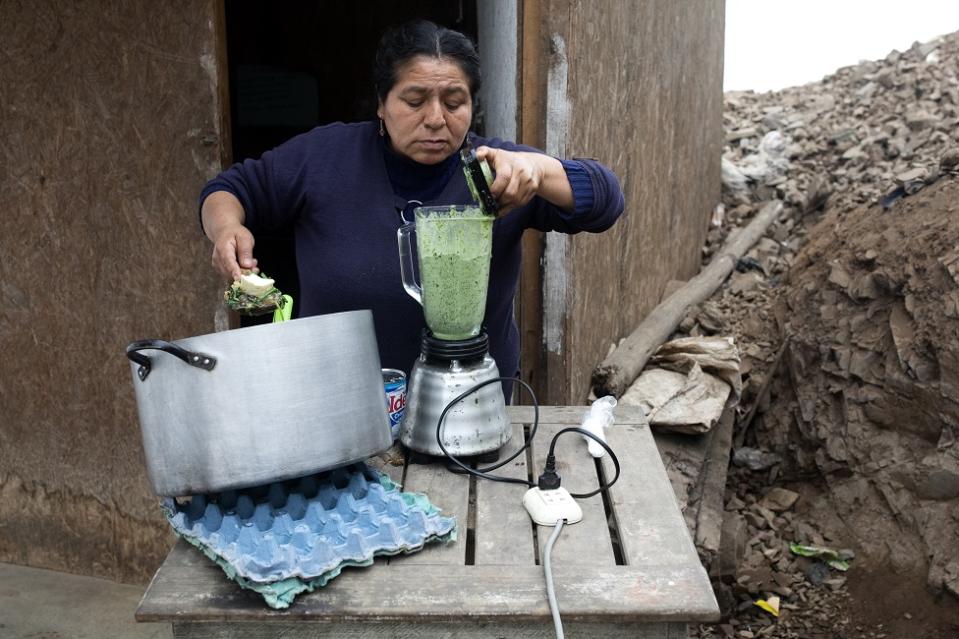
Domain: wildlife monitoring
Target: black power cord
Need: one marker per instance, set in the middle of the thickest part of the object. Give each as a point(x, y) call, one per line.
point(482, 472)
point(549, 480)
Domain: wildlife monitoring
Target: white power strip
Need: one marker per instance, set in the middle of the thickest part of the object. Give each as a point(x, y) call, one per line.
point(546, 507)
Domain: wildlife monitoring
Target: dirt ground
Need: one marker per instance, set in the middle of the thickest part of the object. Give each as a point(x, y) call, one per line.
point(860, 411)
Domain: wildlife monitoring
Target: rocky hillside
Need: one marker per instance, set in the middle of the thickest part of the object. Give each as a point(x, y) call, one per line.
point(847, 316)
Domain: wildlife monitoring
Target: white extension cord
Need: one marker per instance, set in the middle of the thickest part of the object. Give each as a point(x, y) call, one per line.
point(550, 590)
point(546, 507)
point(552, 508)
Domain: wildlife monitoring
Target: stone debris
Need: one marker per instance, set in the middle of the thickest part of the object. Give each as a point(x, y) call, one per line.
point(755, 564)
point(847, 320)
point(949, 160)
point(779, 499)
point(755, 459)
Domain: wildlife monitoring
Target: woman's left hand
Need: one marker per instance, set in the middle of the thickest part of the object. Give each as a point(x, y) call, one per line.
point(517, 176)
point(520, 175)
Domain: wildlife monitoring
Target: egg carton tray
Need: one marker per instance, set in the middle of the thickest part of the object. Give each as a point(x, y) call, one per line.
point(290, 537)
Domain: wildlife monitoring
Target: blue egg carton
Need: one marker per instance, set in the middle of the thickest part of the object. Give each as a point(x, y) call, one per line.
point(291, 537)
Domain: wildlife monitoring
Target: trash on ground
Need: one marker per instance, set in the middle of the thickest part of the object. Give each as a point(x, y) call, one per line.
point(838, 559)
point(688, 383)
point(770, 605)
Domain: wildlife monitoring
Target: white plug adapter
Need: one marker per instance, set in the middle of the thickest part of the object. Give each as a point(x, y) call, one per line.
point(546, 507)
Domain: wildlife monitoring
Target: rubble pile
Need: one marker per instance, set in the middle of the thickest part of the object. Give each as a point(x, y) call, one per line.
point(847, 319)
point(874, 132)
point(870, 398)
point(859, 422)
point(813, 599)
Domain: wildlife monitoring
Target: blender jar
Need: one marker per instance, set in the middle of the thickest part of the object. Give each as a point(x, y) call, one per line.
point(453, 245)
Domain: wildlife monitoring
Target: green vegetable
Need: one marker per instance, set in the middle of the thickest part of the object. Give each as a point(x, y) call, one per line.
point(239, 298)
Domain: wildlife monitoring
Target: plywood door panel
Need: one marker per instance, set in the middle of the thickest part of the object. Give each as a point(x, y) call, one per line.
point(646, 88)
point(643, 91)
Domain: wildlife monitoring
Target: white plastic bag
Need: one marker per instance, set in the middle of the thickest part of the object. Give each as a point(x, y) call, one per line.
point(597, 420)
point(769, 161)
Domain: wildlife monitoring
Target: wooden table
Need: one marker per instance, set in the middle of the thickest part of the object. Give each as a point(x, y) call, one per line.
point(629, 569)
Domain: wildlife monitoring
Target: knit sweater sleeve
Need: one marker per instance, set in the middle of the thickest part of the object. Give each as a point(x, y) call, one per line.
point(596, 192)
point(269, 188)
point(581, 185)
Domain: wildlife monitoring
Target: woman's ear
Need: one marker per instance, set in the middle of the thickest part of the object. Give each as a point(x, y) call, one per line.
point(379, 108)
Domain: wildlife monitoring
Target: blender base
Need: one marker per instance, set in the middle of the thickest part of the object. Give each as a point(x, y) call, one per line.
point(490, 457)
point(473, 424)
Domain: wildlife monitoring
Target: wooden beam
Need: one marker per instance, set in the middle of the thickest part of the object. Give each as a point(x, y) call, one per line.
point(529, 298)
point(222, 89)
point(614, 375)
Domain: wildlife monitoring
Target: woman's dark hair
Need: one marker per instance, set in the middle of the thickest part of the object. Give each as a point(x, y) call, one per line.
point(421, 37)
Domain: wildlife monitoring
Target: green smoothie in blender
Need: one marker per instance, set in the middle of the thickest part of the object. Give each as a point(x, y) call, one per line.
point(454, 244)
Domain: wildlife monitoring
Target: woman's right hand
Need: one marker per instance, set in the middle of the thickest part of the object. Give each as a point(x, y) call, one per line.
point(222, 217)
point(233, 252)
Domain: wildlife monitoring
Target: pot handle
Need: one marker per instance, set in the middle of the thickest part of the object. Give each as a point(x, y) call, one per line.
point(206, 362)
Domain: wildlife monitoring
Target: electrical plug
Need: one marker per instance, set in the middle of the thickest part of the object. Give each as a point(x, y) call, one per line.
point(549, 480)
point(548, 502)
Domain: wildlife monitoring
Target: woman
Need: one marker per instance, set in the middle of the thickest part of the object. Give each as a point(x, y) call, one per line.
point(346, 188)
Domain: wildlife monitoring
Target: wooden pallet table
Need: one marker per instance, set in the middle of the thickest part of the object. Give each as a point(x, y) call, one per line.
point(629, 569)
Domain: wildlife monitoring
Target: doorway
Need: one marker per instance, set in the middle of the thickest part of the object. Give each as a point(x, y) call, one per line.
point(297, 65)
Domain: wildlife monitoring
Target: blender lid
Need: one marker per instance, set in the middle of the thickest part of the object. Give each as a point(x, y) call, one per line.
point(479, 177)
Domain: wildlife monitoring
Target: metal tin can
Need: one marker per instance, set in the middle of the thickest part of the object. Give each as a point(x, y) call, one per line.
point(394, 383)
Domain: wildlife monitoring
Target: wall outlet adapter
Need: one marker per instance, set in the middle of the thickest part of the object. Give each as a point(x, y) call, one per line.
point(546, 507)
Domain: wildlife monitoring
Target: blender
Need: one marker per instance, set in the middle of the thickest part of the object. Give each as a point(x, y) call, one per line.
point(453, 245)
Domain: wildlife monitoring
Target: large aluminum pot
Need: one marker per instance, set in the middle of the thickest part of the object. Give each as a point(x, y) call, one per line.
point(255, 405)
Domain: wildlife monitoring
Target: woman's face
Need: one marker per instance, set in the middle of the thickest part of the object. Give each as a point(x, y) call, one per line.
point(428, 111)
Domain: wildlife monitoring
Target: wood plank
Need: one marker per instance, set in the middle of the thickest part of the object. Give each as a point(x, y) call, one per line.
point(450, 493)
point(557, 275)
point(436, 593)
point(651, 529)
point(394, 630)
point(587, 542)
point(711, 490)
point(572, 415)
point(529, 298)
point(504, 535)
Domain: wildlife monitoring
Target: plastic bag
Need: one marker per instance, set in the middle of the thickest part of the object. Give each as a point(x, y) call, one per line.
point(597, 420)
point(769, 161)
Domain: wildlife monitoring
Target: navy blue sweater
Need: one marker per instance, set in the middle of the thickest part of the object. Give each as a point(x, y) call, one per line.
point(332, 186)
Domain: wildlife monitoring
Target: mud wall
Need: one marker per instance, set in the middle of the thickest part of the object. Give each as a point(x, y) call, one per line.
point(637, 85)
point(870, 398)
point(108, 127)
